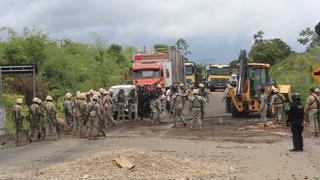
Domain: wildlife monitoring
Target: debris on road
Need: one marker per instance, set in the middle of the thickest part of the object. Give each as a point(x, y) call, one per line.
point(142, 165)
point(267, 125)
point(123, 163)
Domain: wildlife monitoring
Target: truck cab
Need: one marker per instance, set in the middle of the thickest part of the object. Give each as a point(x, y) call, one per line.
point(218, 76)
point(190, 69)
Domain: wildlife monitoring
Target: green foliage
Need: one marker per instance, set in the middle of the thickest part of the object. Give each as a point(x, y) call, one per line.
point(269, 51)
point(183, 47)
point(295, 70)
point(161, 47)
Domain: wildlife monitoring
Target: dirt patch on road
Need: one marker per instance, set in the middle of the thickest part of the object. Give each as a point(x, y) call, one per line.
point(148, 165)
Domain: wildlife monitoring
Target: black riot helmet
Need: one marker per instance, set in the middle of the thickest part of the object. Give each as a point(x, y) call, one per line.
point(296, 97)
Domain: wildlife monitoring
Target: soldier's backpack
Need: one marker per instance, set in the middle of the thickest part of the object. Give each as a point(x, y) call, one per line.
point(196, 102)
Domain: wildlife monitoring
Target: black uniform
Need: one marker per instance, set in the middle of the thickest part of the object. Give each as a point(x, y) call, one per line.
point(295, 118)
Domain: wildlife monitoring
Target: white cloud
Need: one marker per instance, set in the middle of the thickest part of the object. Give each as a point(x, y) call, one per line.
point(206, 24)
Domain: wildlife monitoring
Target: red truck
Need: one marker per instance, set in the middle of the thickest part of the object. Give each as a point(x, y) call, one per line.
point(155, 69)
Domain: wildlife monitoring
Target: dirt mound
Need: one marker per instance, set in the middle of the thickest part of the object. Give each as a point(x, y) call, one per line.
point(148, 165)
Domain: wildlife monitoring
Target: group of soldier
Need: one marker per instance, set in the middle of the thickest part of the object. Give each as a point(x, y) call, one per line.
point(89, 114)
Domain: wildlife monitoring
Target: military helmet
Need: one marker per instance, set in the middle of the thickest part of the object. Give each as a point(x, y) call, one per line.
point(88, 93)
point(91, 91)
point(35, 100)
point(78, 96)
point(82, 96)
point(98, 94)
point(68, 95)
point(95, 97)
point(105, 92)
point(101, 90)
point(201, 85)
point(19, 101)
point(317, 90)
point(48, 98)
point(195, 91)
point(181, 85)
point(228, 85)
point(295, 96)
point(78, 92)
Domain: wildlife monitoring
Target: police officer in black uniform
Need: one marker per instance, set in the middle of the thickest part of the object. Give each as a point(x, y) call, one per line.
point(295, 119)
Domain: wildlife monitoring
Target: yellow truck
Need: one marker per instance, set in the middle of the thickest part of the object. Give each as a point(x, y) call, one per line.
point(218, 76)
point(190, 69)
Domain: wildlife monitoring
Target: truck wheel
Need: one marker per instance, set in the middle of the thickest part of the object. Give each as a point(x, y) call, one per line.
point(212, 89)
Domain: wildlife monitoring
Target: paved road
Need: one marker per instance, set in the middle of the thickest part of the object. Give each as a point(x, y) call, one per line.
point(260, 154)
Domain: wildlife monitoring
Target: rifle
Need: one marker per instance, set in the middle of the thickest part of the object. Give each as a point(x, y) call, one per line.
point(54, 120)
point(87, 116)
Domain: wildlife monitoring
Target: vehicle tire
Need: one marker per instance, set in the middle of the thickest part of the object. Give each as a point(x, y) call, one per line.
point(212, 89)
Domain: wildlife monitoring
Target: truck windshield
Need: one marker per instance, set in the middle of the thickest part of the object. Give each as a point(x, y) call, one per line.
point(219, 71)
point(146, 74)
point(189, 70)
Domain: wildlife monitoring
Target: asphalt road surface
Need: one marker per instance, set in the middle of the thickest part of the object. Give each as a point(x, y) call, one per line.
point(257, 153)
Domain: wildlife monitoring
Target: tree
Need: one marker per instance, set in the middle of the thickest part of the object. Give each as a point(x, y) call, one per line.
point(307, 37)
point(317, 29)
point(115, 53)
point(270, 51)
point(182, 46)
point(258, 37)
point(161, 47)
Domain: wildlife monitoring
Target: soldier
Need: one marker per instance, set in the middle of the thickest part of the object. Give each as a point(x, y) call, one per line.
point(67, 107)
point(133, 104)
point(35, 118)
point(121, 101)
point(295, 119)
point(184, 94)
point(50, 117)
point(226, 98)
point(176, 108)
point(263, 106)
point(17, 117)
point(312, 111)
point(83, 110)
point(196, 106)
point(277, 102)
point(203, 92)
point(107, 104)
point(76, 114)
point(94, 118)
point(156, 109)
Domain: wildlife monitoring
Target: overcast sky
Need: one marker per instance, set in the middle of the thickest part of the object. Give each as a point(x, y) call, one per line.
point(215, 29)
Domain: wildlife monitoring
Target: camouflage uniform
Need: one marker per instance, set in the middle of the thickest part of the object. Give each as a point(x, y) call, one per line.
point(263, 107)
point(196, 104)
point(121, 100)
point(94, 119)
point(278, 102)
point(311, 110)
point(83, 110)
point(35, 114)
point(133, 104)
point(155, 107)
point(18, 116)
point(177, 108)
point(184, 96)
point(68, 109)
point(107, 104)
point(76, 114)
point(50, 116)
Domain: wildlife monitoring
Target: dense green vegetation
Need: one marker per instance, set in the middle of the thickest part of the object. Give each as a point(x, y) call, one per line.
point(289, 67)
point(63, 65)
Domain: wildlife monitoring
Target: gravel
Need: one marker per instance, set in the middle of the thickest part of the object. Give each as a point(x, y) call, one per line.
point(148, 165)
